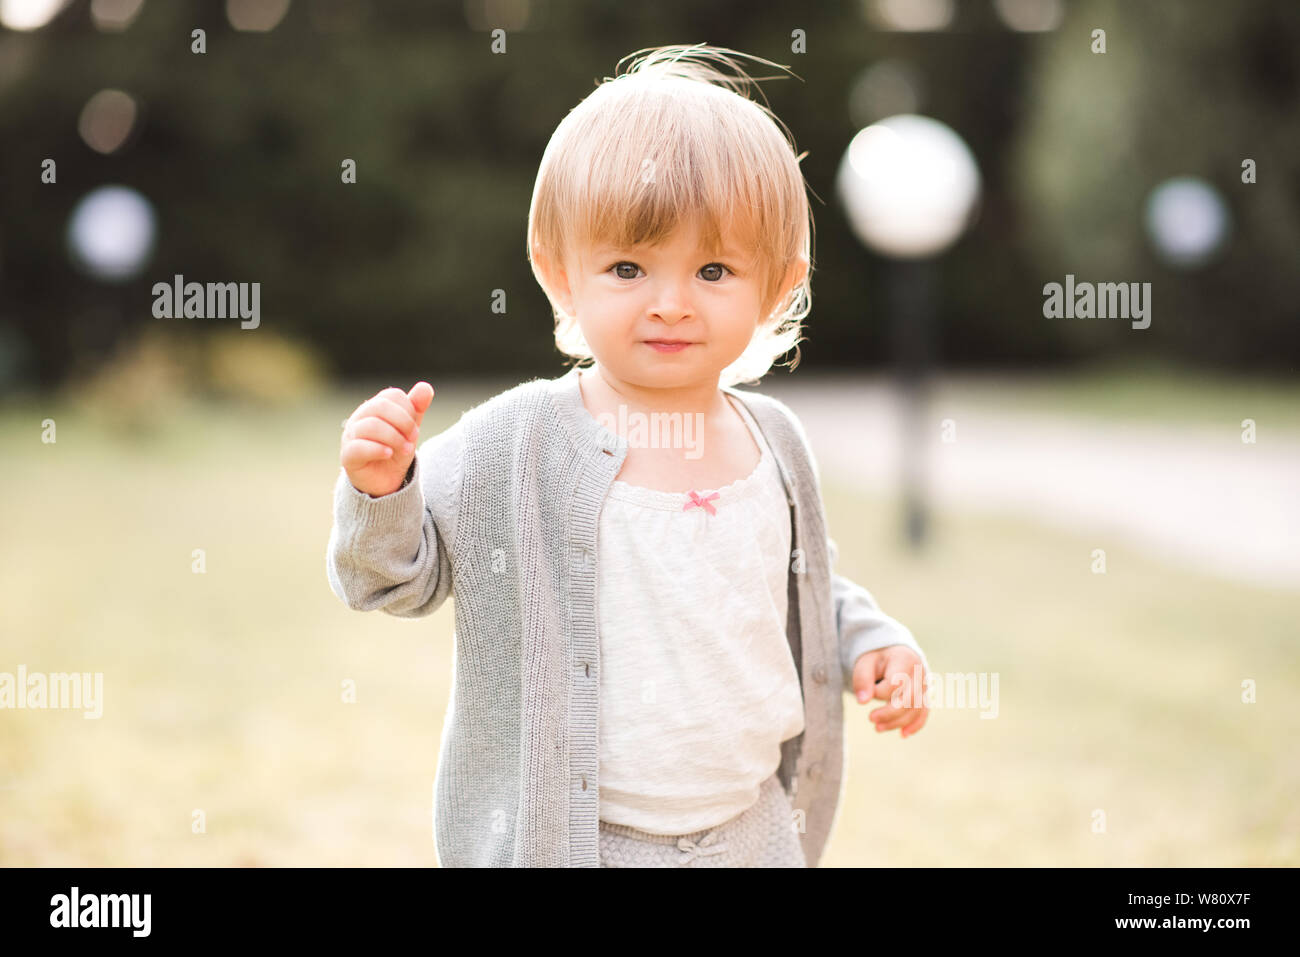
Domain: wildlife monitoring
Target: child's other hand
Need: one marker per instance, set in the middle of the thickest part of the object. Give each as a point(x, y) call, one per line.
point(379, 438)
point(887, 674)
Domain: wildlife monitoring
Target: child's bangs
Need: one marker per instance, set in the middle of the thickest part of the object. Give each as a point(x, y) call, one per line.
point(704, 168)
point(644, 202)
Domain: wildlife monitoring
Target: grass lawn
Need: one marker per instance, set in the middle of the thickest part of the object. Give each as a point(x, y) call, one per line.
point(222, 690)
point(1118, 692)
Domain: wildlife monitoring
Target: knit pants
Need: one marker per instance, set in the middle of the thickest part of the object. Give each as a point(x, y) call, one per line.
point(763, 836)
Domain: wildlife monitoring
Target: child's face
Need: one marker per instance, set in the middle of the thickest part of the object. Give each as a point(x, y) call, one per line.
point(623, 298)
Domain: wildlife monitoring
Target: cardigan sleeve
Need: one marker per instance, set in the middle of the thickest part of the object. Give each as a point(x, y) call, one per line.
point(860, 625)
point(394, 552)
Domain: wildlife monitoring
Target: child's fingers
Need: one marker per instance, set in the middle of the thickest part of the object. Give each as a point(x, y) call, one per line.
point(887, 718)
point(894, 688)
point(420, 396)
point(388, 409)
point(867, 672)
point(884, 714)
point(358, 453)
point(916, 725)
point(394, 404)
point(379, 431)
point(399, 398)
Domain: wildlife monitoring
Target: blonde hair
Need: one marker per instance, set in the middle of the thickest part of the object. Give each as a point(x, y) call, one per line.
point(673, 140)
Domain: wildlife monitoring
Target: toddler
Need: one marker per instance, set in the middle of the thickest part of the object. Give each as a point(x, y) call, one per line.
point(651, 647)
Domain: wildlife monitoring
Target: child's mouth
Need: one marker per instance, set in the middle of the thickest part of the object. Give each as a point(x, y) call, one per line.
point(661, 345)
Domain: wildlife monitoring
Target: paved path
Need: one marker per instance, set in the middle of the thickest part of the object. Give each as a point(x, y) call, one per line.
point(1195, 496)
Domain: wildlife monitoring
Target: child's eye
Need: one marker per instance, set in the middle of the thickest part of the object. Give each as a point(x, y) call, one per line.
point(711, 277)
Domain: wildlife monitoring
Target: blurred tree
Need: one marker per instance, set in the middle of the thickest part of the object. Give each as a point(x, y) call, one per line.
point(240, 150)
point(1184, 88)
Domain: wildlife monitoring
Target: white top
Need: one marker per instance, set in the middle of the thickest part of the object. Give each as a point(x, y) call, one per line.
point(698, 687)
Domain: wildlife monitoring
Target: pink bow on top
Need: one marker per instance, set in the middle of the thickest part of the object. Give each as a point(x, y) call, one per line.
point(701, 502)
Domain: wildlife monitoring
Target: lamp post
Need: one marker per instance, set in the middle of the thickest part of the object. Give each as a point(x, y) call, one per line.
point(910, 187)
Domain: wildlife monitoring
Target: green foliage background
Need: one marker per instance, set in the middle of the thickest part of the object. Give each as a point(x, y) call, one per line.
point(239, 149)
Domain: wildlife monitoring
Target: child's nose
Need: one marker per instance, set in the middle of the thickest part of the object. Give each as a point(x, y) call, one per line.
point(671, 301)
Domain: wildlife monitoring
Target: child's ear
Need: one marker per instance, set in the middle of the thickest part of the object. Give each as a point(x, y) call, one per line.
point(796, 274)
point(557, 280)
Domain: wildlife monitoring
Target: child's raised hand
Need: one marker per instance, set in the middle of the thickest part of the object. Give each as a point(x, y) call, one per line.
point(379, 438)
point(887, 674)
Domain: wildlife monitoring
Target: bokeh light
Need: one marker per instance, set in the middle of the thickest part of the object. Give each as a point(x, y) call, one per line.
point(1186, 221)
point(1030, 16)
point(111, 233)
point(909, 184)
point(910, 15)
point(113, 16)
point(107, 120)
point(29, 14)
point(257, 16)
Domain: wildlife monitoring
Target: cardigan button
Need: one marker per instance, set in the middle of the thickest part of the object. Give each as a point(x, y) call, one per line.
point(819, 674)
point(813, 769)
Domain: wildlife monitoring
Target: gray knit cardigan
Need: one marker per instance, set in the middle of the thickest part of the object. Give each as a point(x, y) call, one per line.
point(501, 510)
